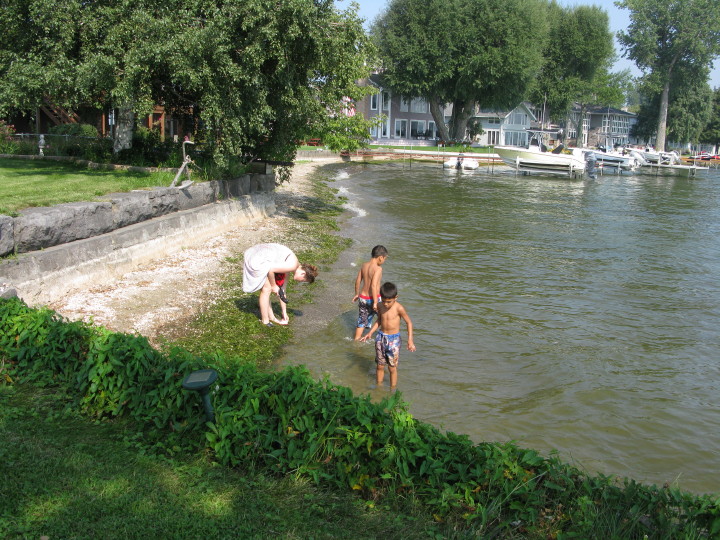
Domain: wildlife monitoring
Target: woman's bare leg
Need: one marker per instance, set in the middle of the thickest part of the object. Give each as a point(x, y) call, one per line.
point(264, 303)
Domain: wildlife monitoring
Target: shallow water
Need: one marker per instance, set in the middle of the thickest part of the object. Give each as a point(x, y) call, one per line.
point(581, 316)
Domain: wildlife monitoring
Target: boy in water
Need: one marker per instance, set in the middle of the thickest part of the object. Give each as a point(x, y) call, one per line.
point(388, 341)
point(367, 288)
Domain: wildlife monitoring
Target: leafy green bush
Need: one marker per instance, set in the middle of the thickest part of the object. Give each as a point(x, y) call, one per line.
point(286, 422)
point(74, 130)
point(148, 150)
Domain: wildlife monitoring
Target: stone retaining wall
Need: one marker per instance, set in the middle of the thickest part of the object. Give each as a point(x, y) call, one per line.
point(69, 246)
point(40, 228)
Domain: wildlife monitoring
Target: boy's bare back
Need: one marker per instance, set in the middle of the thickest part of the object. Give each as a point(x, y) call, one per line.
point(370, 275)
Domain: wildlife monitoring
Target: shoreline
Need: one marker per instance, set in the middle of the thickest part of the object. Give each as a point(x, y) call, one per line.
point(170, 291)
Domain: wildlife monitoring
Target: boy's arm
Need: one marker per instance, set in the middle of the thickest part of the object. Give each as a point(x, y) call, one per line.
point(375, 287)
point(408, 322)
point(358, 281)
point(370, 333)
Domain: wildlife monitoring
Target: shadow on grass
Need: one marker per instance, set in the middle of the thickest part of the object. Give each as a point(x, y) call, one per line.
point(65, 477)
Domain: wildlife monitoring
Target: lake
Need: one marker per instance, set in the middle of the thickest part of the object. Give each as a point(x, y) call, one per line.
point(577, 316)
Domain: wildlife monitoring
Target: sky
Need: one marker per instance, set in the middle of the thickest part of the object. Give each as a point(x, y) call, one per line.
point(619, 20)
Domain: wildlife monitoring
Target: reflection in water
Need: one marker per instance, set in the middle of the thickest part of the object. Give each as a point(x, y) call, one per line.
point(575, 315)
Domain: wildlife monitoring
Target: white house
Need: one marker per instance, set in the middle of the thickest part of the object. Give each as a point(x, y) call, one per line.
point(505, 127)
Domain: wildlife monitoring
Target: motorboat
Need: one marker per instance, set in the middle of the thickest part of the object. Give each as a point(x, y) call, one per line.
point(622, 160)
point(536, 158)
point(653, 157)
point(461, 162)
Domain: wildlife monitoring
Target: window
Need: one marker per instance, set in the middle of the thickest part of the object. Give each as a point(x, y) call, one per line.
point(374, 102)
point(431, 132)
point(403, 105)
point(519, 118)
point(419, 106)
point(516, 138)
point(417, 128)
point(493, 121)
point(493, 137)
point(386, 101)
point(401, 128)
point(385, 129)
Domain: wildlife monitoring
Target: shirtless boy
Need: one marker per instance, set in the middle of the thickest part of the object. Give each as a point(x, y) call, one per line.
point(388, 341)
point(367, 289)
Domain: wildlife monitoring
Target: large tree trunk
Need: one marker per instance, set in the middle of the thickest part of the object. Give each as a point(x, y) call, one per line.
point(662, 119)
point(579, 127)
point(124, 126)
point(461, 113)
point(436, 110)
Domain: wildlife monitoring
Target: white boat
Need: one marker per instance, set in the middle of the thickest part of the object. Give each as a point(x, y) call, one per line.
point(620, 160)
point(461, 162)
point(536, 159)
point(653, 157)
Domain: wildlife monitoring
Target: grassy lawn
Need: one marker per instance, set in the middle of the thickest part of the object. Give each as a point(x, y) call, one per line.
point(26, 183)
point(66, 477)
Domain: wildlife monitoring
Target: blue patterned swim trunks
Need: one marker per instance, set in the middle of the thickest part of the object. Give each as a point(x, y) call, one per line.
point(387, 349)
point(366, 312)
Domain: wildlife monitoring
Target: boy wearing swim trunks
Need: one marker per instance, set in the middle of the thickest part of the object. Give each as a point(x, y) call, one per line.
point(388, 340)
point(367, 289)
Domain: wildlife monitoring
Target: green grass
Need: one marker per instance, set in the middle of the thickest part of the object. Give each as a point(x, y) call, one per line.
point(28, 183)
point(66, 477)
point(313, 235)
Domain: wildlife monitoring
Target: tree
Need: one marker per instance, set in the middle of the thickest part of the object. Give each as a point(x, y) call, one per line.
point(663, 34)
point(463, 52)
point(689, 105)
point(257, 77)
point(711, 132)
point(578, 53)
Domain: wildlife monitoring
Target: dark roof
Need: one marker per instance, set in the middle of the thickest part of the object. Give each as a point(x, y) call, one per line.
point(599, 109)
point(376, 79)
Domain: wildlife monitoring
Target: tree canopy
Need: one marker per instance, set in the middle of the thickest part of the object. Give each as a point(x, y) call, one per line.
point(665, 36)
point(257, 76)
point(463, 52)
point(577, 56)
point(711, 132)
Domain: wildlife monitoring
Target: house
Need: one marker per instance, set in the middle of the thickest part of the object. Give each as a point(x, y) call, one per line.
point(602, 126)
point(49, 114)
point(407, 121)
point(505, 127)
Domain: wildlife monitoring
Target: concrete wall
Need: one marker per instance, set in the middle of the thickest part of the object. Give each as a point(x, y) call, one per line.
point(40, 228)
point(171, 219)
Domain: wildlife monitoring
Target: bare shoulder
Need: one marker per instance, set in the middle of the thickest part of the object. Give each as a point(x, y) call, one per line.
point(400, 308)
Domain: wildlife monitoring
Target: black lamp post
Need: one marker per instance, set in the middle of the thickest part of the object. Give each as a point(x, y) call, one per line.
point(200, 381)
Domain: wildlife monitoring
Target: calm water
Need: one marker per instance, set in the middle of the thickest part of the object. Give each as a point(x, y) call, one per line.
point(572, 315)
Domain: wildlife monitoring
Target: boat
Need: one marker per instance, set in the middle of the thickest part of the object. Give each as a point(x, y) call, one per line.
point(535, 158)
point(653, 157)
point(461, 162)
point(622, 160)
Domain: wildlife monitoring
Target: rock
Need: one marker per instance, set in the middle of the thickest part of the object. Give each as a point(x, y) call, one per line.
point(38, 228)
point(7, 235)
